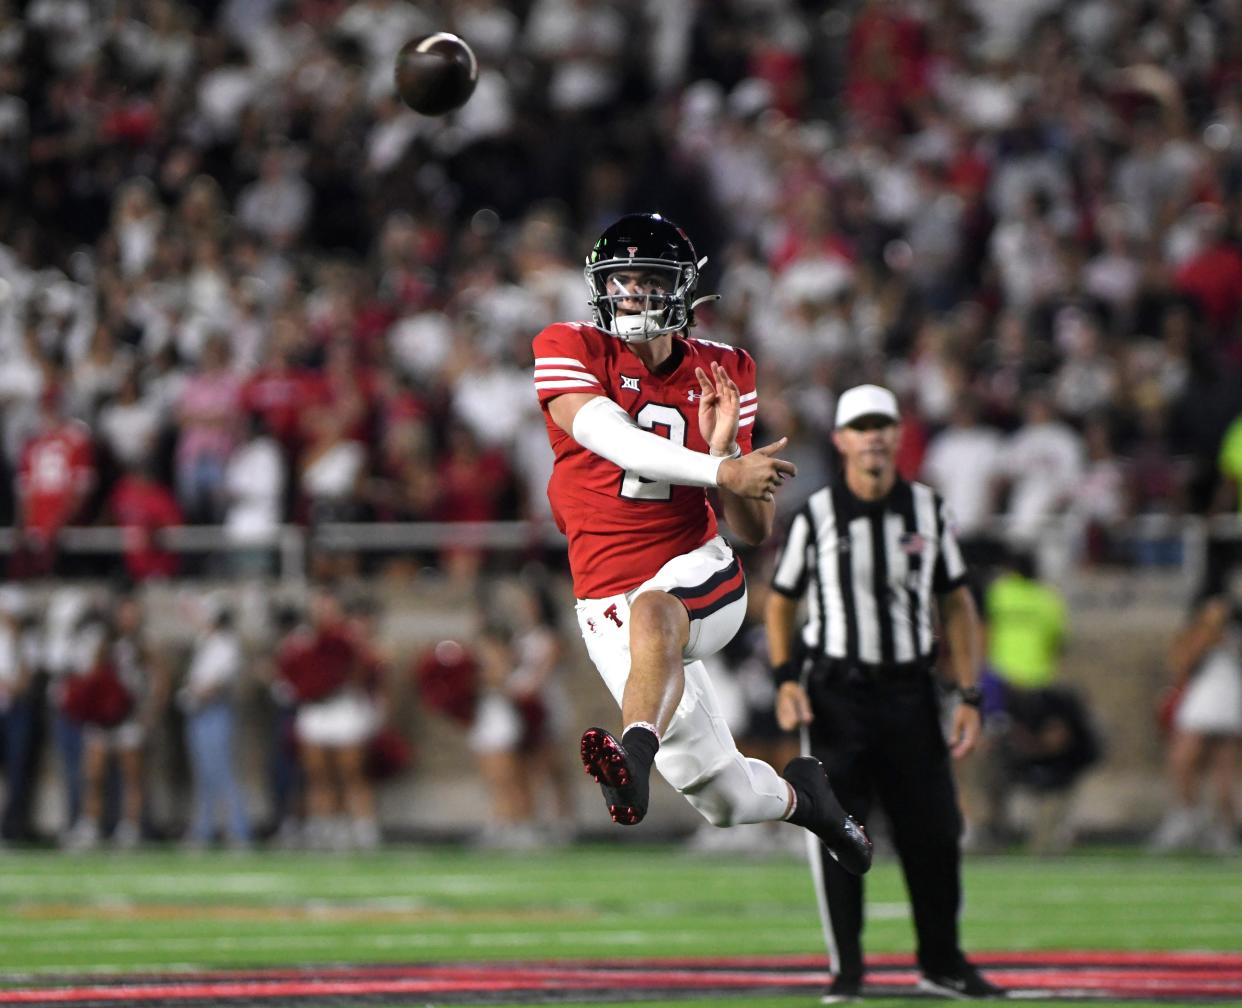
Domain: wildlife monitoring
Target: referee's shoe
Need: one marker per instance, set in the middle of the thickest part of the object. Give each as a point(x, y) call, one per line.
point(819, 811)
point(964, 984)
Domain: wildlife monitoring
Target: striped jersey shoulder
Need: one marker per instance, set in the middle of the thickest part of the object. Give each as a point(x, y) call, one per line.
point(817, 511)
point(568, 359)
point(723, 352)
point(936, 513)
point(741, 367)
point(921, 491)
point(714, 343)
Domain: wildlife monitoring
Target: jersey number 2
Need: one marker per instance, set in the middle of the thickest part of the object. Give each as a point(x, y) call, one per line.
point(650, 417)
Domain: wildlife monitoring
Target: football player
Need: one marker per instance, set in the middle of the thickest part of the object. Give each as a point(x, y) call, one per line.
point(643, 418)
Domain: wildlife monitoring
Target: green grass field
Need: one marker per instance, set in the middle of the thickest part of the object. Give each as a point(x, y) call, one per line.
point(168, 910)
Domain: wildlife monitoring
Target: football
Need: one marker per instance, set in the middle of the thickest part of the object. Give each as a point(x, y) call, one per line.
point(436, 73)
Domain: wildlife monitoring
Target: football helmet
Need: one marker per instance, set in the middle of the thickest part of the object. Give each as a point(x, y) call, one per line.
point(642, 274)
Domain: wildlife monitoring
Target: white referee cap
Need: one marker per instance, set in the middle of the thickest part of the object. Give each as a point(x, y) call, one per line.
point(866, 400)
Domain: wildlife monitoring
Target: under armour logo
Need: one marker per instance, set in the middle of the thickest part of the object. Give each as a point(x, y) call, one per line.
point(591, 625)
point(632, 250)
point(629, 384)
point(612, 614)
point(693, 395)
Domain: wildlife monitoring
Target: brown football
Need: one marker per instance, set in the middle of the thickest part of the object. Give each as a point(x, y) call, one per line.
point(436, 73)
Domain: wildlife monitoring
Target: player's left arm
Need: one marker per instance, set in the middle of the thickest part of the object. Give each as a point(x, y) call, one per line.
point(726, 421)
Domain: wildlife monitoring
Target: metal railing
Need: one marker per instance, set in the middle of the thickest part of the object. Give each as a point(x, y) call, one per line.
point(293, 544)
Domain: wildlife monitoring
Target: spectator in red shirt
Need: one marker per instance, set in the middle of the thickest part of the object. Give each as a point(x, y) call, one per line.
point(1213, 277)
point(887, 62)
point(473, 486)
point(811, 233)
point(142, 506)
point(327, 669)
point(347, 387)
point(55, 477)
point(281, 390)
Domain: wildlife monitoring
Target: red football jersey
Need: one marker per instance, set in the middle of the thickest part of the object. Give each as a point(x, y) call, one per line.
point(57, 469)
point(142, 507)
point(621, 527)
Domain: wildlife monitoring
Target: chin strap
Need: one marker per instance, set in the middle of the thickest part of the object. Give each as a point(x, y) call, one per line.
point(706, 297)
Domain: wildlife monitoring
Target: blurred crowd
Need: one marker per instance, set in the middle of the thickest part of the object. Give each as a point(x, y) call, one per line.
point(240, 284)
point(131, 720)
point(114, 732)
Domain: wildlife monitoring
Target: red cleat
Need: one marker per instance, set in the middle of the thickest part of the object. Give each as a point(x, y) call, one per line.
point(603, 757)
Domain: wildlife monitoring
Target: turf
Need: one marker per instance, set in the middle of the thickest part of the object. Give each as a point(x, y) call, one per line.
point(158, 910)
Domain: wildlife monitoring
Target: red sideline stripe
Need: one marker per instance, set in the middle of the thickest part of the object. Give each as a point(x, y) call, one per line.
point(1165, 960)
point(587, 980)
point(1104, 981)
point(1161, 974)
point(1150, 960)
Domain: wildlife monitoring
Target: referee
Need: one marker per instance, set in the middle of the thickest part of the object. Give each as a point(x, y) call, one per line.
point(869, 552)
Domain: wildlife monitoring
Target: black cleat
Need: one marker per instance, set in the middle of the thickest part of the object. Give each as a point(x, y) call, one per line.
point(965, 984)
point(604, 758)
point(843, 990)
point(819, 811)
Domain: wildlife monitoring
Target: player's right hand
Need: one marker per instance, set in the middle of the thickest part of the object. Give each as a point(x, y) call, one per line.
point(757, 475)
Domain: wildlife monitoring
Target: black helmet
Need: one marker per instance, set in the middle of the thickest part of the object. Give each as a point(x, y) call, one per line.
point(655, 247)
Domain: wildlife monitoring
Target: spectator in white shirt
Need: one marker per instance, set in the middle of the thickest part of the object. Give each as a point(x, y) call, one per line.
point(582, 44)
point(961, 464)
point(207, 699)
point(1043, 461)
point(130, 424)
point(65, 651)
point(254, 482)
point(277, 205)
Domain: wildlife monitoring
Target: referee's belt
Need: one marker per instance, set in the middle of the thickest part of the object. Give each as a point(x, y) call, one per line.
point(844, 670)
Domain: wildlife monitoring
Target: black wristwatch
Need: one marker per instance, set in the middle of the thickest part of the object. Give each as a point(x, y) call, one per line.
point(972, 696)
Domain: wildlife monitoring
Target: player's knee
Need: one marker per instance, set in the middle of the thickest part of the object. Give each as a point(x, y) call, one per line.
point(733, 796)
point(660, 615)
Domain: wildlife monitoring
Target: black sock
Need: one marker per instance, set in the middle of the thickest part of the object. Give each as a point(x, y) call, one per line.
point(803, 813)
point(641, 745)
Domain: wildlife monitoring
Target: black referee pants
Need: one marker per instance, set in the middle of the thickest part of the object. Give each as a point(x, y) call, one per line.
point(881, 741)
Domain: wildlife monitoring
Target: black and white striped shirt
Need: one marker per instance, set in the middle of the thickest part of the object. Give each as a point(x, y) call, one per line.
point(869, 570)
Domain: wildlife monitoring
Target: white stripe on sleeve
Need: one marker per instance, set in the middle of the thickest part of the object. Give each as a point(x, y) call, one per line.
point(541, 373)
point(568, 383)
